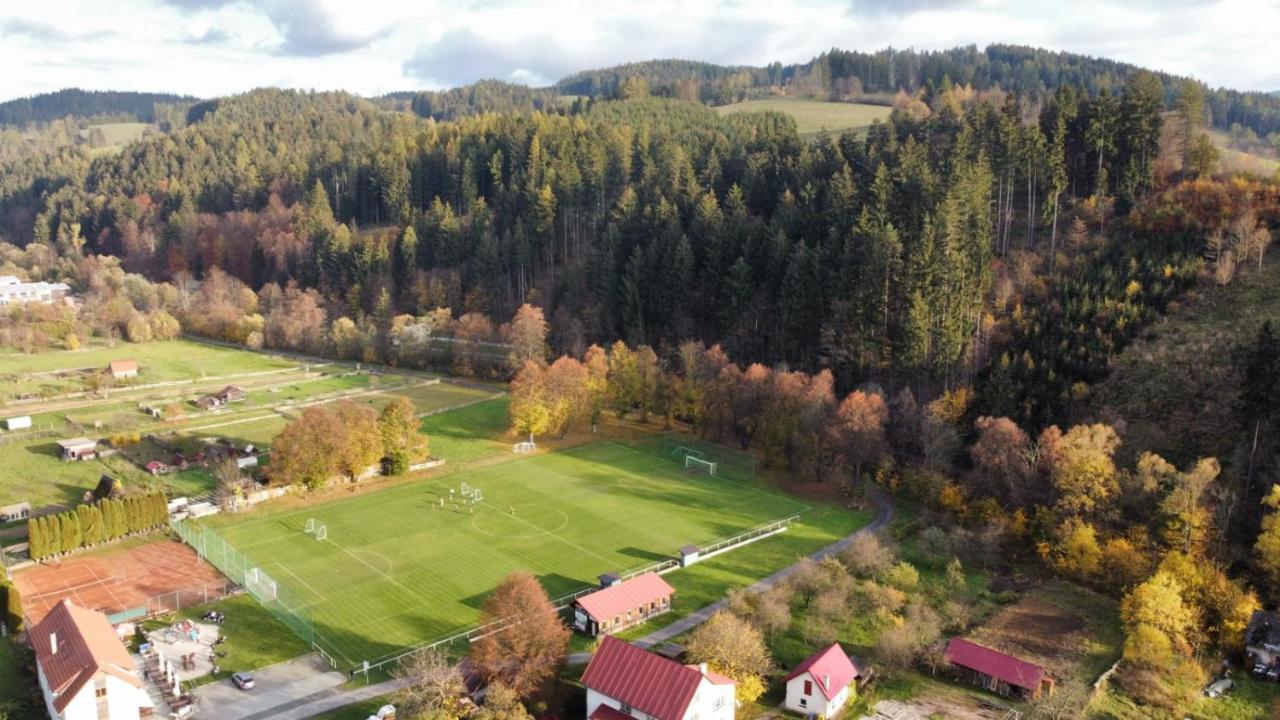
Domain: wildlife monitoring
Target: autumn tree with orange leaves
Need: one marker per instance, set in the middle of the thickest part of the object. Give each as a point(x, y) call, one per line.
point(525, 653)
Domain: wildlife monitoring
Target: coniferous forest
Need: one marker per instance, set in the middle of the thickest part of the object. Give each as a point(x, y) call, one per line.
point(931, 304)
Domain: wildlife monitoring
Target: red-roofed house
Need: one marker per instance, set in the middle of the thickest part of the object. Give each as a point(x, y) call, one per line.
point(823, 683)
point(85, 671)
point(622, 605)
point(998, 672)
point(122, 369)
point(625, 682)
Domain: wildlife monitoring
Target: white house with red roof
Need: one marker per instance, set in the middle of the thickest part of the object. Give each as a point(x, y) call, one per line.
point(625, 682)
point(85, 672)
point(622, 604)
point(823, 683)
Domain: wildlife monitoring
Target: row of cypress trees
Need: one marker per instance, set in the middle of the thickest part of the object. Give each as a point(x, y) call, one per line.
point(90, 524)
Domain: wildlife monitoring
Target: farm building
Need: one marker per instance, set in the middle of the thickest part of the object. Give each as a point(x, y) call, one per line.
point(85, 671)
point(823, 683)
point(155, 467)
point(997, 672)
point(123, 369)
point(78, 449)
point(16, 511)
point(624, 682)
point(223, 397)
point(619, 605)
point(13, 291)
point(1262, 638)
point(22, 422)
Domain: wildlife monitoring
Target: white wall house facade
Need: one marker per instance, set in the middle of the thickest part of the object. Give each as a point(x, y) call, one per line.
point(710, 701)
point(823, 684)
point(805, 697)
point(15, 292)
point(625, 682)
point(85, 672)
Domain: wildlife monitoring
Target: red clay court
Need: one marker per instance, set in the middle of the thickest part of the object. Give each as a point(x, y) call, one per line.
point(131, 581)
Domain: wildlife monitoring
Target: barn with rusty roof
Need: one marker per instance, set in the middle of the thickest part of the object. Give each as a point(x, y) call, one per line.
point(998, 672)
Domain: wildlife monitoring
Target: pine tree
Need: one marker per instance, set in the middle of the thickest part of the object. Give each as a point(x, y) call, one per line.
point(72, 538)
point(1259, 399)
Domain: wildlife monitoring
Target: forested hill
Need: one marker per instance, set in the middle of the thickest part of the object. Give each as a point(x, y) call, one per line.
point(842, 74)
point(75, 102)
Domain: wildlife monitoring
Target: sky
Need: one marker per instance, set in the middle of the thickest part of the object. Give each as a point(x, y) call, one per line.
point(209, 48)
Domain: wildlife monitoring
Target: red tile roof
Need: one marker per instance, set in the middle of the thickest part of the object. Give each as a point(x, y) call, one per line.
point(650, 683)
point(637, 592)
point(831, 669)
point(122, 365)
point(86, 646)
point(605, 712)
point(1001, 666)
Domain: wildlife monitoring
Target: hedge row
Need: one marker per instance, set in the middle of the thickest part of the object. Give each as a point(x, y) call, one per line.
point(88, 525)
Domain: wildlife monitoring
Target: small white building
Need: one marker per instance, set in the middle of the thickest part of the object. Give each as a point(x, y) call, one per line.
point(822, 684)
point(624, 682)
point(85, 672)
point(14, 291)
point(22, 422)
point(15, 512)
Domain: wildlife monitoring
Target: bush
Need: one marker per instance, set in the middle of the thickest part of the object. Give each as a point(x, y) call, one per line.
point(397, 463)
point(12, 606)
point(867, 556)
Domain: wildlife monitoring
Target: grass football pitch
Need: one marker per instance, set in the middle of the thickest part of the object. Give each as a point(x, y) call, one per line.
point(397, 570)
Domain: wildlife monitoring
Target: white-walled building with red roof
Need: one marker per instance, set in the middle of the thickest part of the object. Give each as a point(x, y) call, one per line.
point(85, 672)
point(625, 682)
point(823, 683)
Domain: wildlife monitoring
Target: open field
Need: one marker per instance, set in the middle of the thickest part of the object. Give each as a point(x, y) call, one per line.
point(122, 577)
point(278, 390)
point(1233, 160)
point(397, 570)
point(814, 116)
point(117, 135)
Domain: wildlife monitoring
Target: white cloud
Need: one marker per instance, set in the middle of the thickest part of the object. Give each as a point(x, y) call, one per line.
point(215, 47)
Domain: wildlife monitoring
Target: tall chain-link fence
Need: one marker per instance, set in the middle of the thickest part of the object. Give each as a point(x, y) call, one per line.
point(242, 570)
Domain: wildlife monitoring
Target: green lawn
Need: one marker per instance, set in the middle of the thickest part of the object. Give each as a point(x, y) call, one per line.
point(255, 639)
point(396, 570)
point(814, 116)
point(469, 434)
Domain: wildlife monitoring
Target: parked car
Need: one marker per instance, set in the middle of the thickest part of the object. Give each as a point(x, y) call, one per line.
point(243, 680)
point(1220, 687)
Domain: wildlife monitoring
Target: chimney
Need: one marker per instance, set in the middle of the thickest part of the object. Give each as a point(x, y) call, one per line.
point(826, 681)
point(53, 643)
point(702, 668)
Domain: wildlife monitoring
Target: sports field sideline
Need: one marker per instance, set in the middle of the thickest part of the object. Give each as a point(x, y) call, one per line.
point(396, 570)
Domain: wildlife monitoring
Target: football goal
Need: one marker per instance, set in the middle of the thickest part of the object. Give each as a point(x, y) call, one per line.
point(260, 585)
point(466, 490)
point(523, 448)
point(322, 532)
point(697, 464)
point(477, 496)
point(311, 525)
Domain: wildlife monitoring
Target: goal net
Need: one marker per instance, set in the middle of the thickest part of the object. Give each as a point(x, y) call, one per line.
point(697, 464)
point(523, 448)
point(466, 490)
point(311, 525)
point(322, 532)
point(477, 496)
point(260, 585)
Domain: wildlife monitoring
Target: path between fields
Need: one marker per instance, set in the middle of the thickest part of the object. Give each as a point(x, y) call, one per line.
point(325, 700)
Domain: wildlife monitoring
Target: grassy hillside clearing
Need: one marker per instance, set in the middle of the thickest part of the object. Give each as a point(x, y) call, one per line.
point(814, 116)
point(1176, 386)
